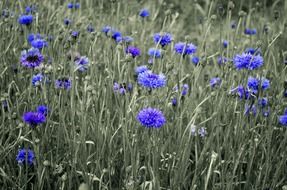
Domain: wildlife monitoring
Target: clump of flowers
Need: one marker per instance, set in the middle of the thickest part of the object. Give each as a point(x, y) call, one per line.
point(122, 88)
point(151, 118)
point(37, 41)
point(250, 31)
point(198, 131)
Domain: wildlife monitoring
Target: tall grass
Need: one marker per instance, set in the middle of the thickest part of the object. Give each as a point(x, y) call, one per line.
point(92, 135)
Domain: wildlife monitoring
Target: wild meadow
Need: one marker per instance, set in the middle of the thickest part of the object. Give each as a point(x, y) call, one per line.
point(143, 95)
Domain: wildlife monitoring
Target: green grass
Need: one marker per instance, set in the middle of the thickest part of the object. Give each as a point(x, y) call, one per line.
point(92, 136)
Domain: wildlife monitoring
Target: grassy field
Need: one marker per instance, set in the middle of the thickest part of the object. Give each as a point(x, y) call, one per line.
point(151, 95)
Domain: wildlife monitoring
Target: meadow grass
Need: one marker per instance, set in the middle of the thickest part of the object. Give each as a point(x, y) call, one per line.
point(92, 139)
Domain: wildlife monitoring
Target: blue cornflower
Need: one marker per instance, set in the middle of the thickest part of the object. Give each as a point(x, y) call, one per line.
point(34, 118)
point(262, 102)
point(106, 29)
point(77, 5)
point(90, 28)
point(43, 110)
point(116, 34)
point(25, 19)
point(184, 48)
point(283, 118)
point(225, 43)
point(130, 87)
point(150, 80)
point(25, 156)
point(250, 109)
point(141, 69)
point(133, 51)
point(221, 60)
point(67, 21)
point(174, 101)
point(28, 9)
point(265, 83)
point(253, 84)
point(37, 79)
point(195, 60)
point(63, 83)
point(31, 58)
point(162, 39)
point(127, 39)
point(249, 31)
point(82, 63)
point(70, 5)
point(216, 81)
point(154, 53)
point(31, 37)
point(253, 51)
point(151, 118)
point(144, 13)
point(75, 34)
point(184, 87)
point(243, 93)
point(202, 132)
point(39, 43)
point(247, 61)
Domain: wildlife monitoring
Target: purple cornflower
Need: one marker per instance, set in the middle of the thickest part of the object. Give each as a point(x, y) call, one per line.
point(70, 5)
point(262, 102)
point(90, 28)
point(82, 63)
point(151, 118)
point(133, 51)
point(116, 34)
point(37, 41)
point(265, 83)
point(247, 61)
point(144, 13)
point(249, 31)
point(216, 81)
point(283, 118)
point(150, 80)
point(75, 34)
point(195, 60)
point(25, 156)
point(174, 101)
point(184, 88)
point(43, 110)
point(34, 118)
point(63, 83)
point(184, 48)
point(106, 29)
point(25, 19)
point(162, 39)
point(37, 79)
point(154, 53)
point(250, 110)
point(202, 132)
point(67, 21)
point(253, 84)
point(31, 58)
point(225, 43)
point(221, 60)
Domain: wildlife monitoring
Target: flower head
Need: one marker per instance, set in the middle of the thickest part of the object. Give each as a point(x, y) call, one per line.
point(162, 39)
point(31, 58)
point(34, 118)
point(151, 118)
point(25, 156)
point(106, 29)
point(63, 83)
point(154, 53)
point(82, 63)
point(195, 60)
point(225, 43)
point(150, 80)
point(249, 31)
point(216, 81)
point(90, 28)
point(43, 109)
point(253, 84)
point(144, 13)
point(184, 48)
point(283, 119)
point(265, 83)
point(133, 51)
point(247, 61)
point(37, 79)
point(25, 19)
